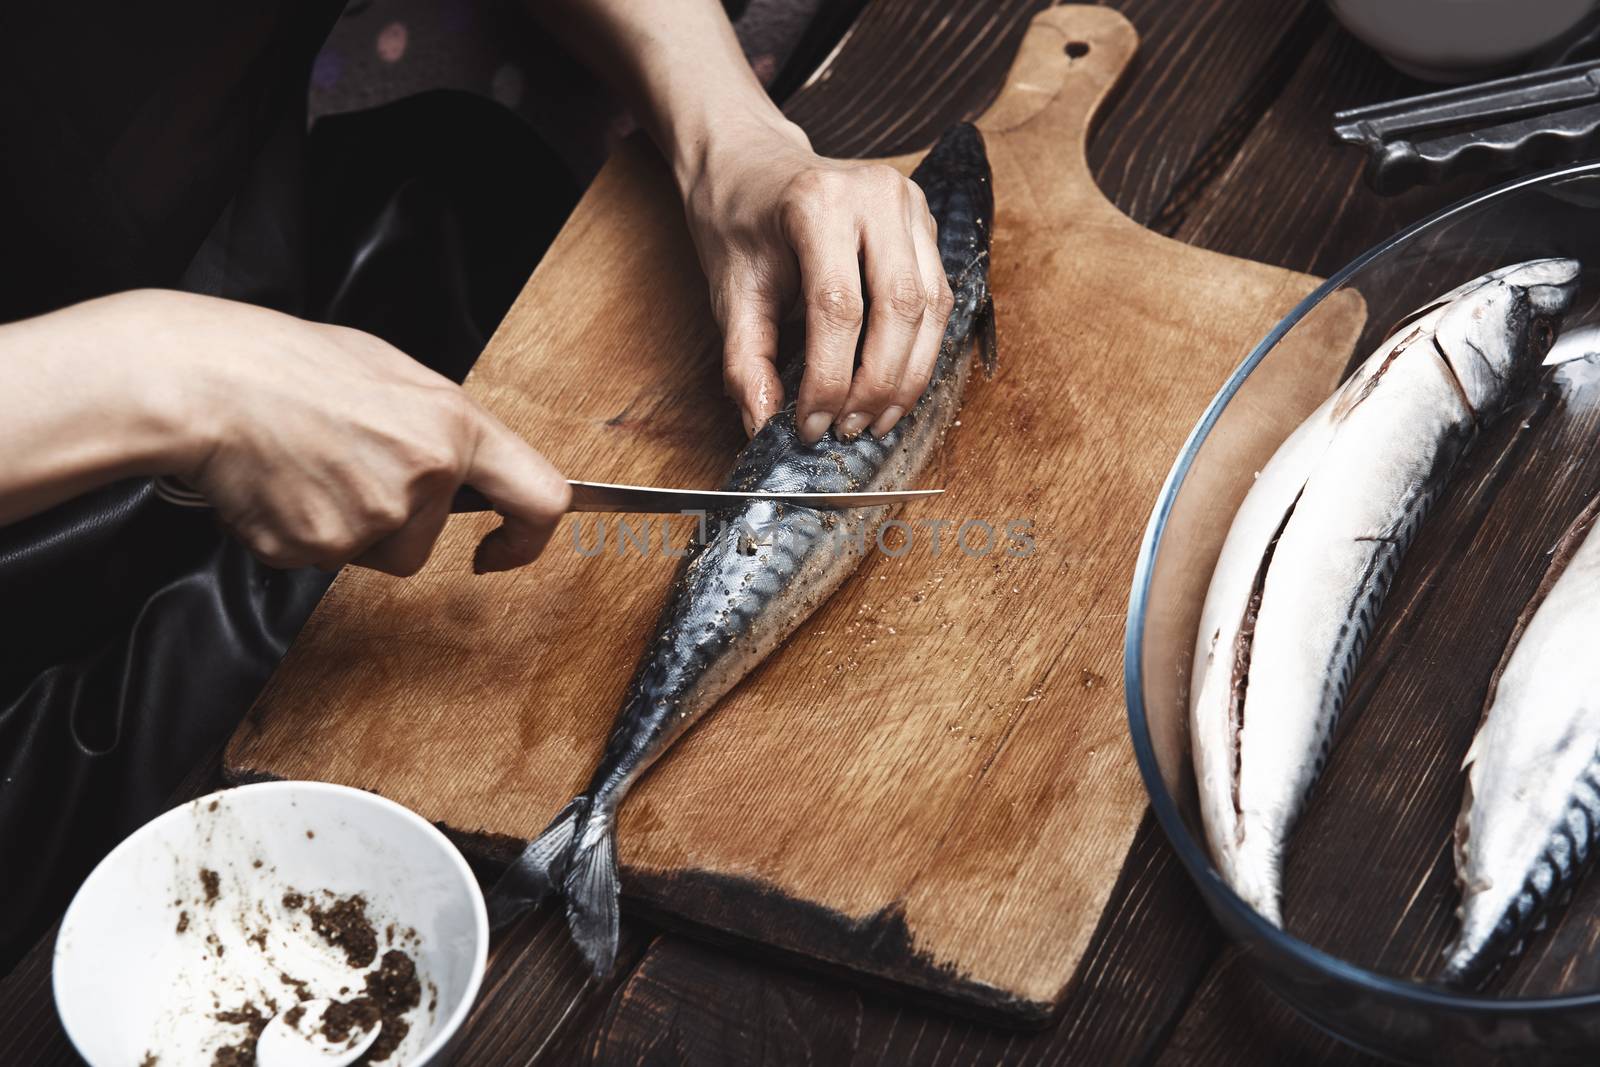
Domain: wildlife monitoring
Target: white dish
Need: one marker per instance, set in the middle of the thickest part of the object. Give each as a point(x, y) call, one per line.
point(129, 984)
point(1459, 40)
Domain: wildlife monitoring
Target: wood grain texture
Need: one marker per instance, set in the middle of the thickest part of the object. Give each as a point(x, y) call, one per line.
point(1235, 1019)
point(690, 1004)
point(948, 717)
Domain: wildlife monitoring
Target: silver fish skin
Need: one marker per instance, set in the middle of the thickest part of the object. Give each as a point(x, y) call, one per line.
point(1318, 538)
point(1530, 810)
point(763, 568)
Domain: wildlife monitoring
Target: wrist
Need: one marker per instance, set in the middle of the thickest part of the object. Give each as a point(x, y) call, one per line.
point(704, 149)
point(155, 368)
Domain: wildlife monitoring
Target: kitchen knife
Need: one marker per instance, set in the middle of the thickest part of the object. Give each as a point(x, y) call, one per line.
point(635, 499)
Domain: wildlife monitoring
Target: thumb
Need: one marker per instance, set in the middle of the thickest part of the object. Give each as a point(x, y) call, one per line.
point(524, 487)
point(749, 357)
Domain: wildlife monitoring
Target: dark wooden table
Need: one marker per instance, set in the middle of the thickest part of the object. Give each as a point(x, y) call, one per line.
point(1219, 136)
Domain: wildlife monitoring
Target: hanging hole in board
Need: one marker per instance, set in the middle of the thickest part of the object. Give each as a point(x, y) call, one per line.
point(1076, 49)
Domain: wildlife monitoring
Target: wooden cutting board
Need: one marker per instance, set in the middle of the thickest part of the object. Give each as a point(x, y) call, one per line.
point(931, 783)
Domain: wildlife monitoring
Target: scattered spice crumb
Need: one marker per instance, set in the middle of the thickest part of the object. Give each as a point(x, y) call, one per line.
point(345, 1019)
point(293, 1016)
point(293, 901)
point(256, 864)
point(211, 806)
point(394, 987)
point(150, 1060)
point(344, 925)
point(183, 921)
point(212, 883)
point(242, 1054)
point(301, 988)
point(394, 984)
point(311, 834)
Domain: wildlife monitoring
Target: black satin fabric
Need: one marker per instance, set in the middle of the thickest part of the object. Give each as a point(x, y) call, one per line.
point(134, 635)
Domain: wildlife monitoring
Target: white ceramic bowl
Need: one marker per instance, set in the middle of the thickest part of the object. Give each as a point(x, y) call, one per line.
point(1459, 40)
point(128, 983)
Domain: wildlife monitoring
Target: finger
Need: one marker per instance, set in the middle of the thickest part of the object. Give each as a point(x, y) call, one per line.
point(527, 491)
point(276, 552)
point(830, 280)
point(404, 552)
point(925, 348)
point(897, 302)
point(749, 355)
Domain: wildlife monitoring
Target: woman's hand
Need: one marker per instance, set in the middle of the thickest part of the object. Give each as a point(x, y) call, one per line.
point(316, 444)
point(781, 229)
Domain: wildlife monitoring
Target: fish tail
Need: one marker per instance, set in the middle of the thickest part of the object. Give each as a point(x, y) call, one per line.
point(591, 891)
point(540, 868)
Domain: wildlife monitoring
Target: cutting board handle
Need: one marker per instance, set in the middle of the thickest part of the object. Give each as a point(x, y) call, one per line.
point(1068, 62)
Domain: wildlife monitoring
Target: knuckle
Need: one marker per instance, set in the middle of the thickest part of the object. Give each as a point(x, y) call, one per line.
point(838, 304)
point(944, 301)
point(907, 299)
point(435, 458)
point(886, 178)
point(382, 514)
point(271, 549)
point(874, 390)
point(325, 534)
point(808, 184)
point(343, 546)
point(827, 380)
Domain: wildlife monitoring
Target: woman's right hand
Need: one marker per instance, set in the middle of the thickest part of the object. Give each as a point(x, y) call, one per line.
point(318, 444)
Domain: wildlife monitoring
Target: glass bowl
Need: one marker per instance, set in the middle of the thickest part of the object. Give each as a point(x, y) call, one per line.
point(1369, 890)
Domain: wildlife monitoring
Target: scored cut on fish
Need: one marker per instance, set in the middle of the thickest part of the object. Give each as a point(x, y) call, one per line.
point(764, 567)
point(1530, 809)
point(1316, 542)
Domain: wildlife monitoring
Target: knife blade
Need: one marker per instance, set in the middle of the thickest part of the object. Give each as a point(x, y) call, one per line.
point(634, 499)
point(649, 499)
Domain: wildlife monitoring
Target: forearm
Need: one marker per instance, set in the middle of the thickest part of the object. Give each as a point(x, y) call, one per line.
point(678, 66)
point(80, 406)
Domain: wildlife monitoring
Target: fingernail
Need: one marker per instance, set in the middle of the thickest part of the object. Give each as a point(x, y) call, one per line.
point(853, 423)
point(816, 425)
point(888, 420)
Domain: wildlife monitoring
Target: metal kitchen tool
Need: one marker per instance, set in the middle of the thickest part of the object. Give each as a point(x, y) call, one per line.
point(635, 499)
point(1547, 116)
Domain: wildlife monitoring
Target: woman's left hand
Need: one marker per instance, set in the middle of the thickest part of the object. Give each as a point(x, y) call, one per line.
point(781, 229)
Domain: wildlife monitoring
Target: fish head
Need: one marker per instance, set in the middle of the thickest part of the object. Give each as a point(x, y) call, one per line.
point(1496, 331)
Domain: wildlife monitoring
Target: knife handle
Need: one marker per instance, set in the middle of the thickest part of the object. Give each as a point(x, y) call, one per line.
point(466, 501)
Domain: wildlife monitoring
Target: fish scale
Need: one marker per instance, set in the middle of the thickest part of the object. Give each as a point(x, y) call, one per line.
point(761, 567)
point(1318, 539)
point(1529, 823)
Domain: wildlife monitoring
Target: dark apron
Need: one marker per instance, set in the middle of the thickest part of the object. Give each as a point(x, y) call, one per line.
point(165, 145)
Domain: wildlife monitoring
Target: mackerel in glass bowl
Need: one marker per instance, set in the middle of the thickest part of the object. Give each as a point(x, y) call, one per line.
point(1369, 885)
